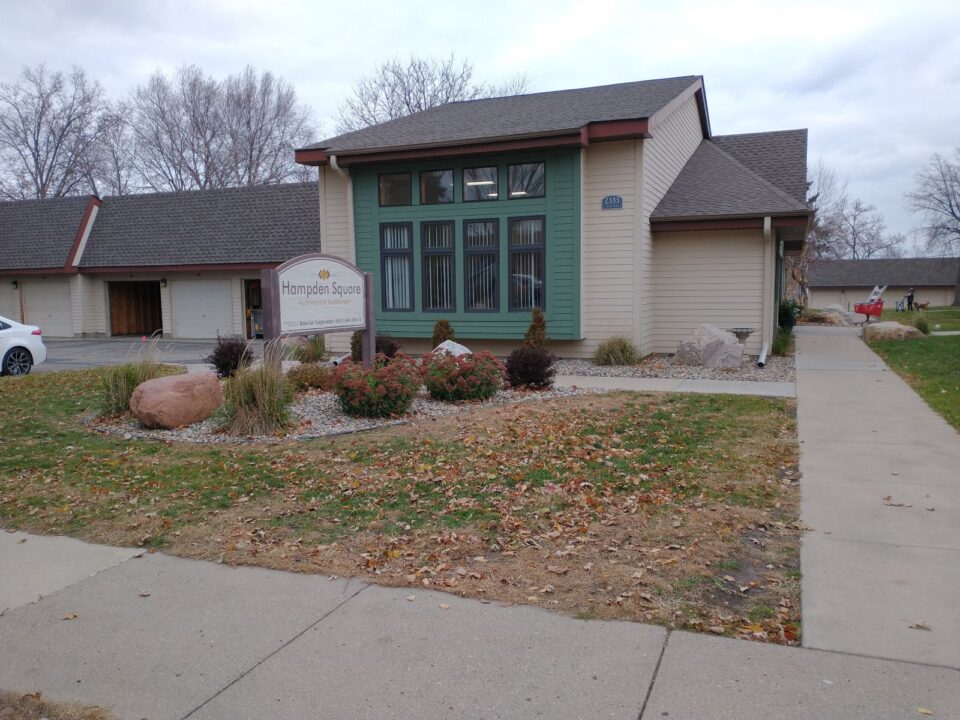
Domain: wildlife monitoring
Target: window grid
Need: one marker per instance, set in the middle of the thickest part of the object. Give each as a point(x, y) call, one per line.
point(481, 271)
point(527, 249)
point(437, 242)
point(396, 257)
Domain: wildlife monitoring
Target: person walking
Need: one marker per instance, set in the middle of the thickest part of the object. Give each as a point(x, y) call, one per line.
point(910, 293)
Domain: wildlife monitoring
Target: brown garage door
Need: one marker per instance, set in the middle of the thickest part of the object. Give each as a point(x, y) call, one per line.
point(135, 308)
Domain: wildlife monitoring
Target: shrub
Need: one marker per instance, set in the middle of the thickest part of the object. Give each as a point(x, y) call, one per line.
point(618, 350)
point(920, 323)
point(530, 367)
point(229, 355)
point(119, 381)
point(442, 331)
point(387, 389)
point(468, 377)
point(311, 376)
point(782, 341)
point(310, 349)
point(385, 344)
point(537, 332)
point(788, 313)
point(256, 401)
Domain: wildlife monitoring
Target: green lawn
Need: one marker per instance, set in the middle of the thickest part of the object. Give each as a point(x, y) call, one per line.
point(614, 506)
point(932, 367)
point(947, 317)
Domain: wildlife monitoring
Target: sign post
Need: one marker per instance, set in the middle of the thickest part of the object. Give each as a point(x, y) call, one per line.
point(316, 294)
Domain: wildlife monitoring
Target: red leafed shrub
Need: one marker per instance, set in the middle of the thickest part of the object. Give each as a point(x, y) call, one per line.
point(530, 367)
point(468, 377)
point(388, 388)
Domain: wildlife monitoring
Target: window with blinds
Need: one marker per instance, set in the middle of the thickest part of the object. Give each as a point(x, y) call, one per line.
point(481, 242)
point(396, 254)
point(437, 249)
point(527, 245)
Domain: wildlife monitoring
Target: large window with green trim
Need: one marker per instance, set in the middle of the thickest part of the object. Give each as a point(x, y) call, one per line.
point(396, 251)
point(481, 258)
point(438, 274)
point(527, 245)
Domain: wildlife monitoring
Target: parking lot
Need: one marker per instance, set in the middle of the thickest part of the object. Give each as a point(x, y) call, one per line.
point(79, 353)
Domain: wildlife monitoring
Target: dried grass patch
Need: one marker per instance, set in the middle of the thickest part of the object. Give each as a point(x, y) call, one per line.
point(32, 706)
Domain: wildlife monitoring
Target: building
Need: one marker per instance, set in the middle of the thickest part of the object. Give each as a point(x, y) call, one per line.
point(185, 264)
point(845, 282)
point(615, 209)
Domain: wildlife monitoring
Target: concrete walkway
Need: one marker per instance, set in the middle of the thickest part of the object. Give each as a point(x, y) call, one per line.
point(722, 387)
point(164, 638)
point(881, 492)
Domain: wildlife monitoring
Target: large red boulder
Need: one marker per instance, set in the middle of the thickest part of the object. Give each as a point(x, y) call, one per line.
point(176, 400)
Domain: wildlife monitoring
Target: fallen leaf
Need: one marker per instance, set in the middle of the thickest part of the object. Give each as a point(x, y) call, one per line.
point(443, 606)
point(70, 616)
point(411, 598)
point(924, 711)
point(144, 594)
point(922, 625)
point(558, 569)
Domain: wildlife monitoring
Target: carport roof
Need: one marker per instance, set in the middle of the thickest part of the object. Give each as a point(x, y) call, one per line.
point(916, 272)
point(266, 224)
point(38, 234)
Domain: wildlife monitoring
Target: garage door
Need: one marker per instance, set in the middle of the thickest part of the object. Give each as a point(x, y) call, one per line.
point(46, 304)
point(201, 308)
point(9, 305)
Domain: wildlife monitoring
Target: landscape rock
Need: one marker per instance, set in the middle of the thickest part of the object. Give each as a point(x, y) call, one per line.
point(710, 347)
point(453, 348)
point(891, 331)
point(176, 400)
point(842, 318)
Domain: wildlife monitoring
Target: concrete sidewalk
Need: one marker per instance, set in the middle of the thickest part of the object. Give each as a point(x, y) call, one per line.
point(881, 492)
point(164, 638)
point(721, 387)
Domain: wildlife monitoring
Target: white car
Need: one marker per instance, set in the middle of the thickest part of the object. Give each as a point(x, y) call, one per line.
point(21, 347)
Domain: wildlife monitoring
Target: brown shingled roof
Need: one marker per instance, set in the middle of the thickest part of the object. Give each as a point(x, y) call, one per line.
point(917, 272)
point(38, 234)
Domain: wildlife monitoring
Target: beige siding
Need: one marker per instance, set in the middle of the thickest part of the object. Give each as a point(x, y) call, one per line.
point(47, 304)
point(9, 300)
point(846, 297)
point(336, 232)
point(708, 277)
point(674, 140)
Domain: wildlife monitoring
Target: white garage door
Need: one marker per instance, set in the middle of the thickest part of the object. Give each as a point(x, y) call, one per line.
point(9, 306)
point(201, 308)
point(46, 304)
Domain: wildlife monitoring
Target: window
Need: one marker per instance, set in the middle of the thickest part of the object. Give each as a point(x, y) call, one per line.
point(480, 184)
point(436, 246)
point(396, 254)
point(527, 180)
point(527, 263)
point(436, 186)
point(481, 243)
point(395, 189)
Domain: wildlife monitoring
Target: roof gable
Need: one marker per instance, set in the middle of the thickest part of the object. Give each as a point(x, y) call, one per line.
point(780, 157)
point(713, 184)
point(38, 234)
point(513, 116)
point(918, 272)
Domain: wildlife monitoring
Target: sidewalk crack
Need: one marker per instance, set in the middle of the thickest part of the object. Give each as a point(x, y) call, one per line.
point(653, 678)
point(264, 659)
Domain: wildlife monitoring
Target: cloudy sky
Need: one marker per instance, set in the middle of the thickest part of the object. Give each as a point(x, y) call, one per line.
point(877, 83)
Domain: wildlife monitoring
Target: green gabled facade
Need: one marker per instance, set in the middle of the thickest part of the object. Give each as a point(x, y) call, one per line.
point(560, 207)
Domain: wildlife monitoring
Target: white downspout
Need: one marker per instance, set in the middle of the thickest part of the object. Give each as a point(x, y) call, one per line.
point(768, 239)
point(340, 171)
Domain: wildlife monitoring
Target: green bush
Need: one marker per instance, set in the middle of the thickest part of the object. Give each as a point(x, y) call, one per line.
point(442, 331)
point(119, 381)
point(256, 401)
point(311, 376)
point(229, 355)
point(356, 346)
point(782, 342)
point(310, 349)
point(387, 389)
point(921, 323)
point(530, 367)
point(468, 377)
point(788, 313)
point(618, 350)
point(536, 335)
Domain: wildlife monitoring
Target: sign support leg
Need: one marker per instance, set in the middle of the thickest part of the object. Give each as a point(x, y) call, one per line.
point(370, 334)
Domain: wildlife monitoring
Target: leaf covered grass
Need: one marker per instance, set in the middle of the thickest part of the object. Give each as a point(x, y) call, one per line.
point(675, 509)
point(931, 366)
point(948, 318)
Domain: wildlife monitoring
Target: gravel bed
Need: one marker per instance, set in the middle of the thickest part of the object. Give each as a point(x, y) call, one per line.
point(318, 414)
point(778, 369)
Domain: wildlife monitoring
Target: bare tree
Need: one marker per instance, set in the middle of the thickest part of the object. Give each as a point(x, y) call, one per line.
point(862, 233)
point(936, 197)
point(264, 124)
point(180, 135)
point(397, 88)
point(112, 168)
point(49, 125)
